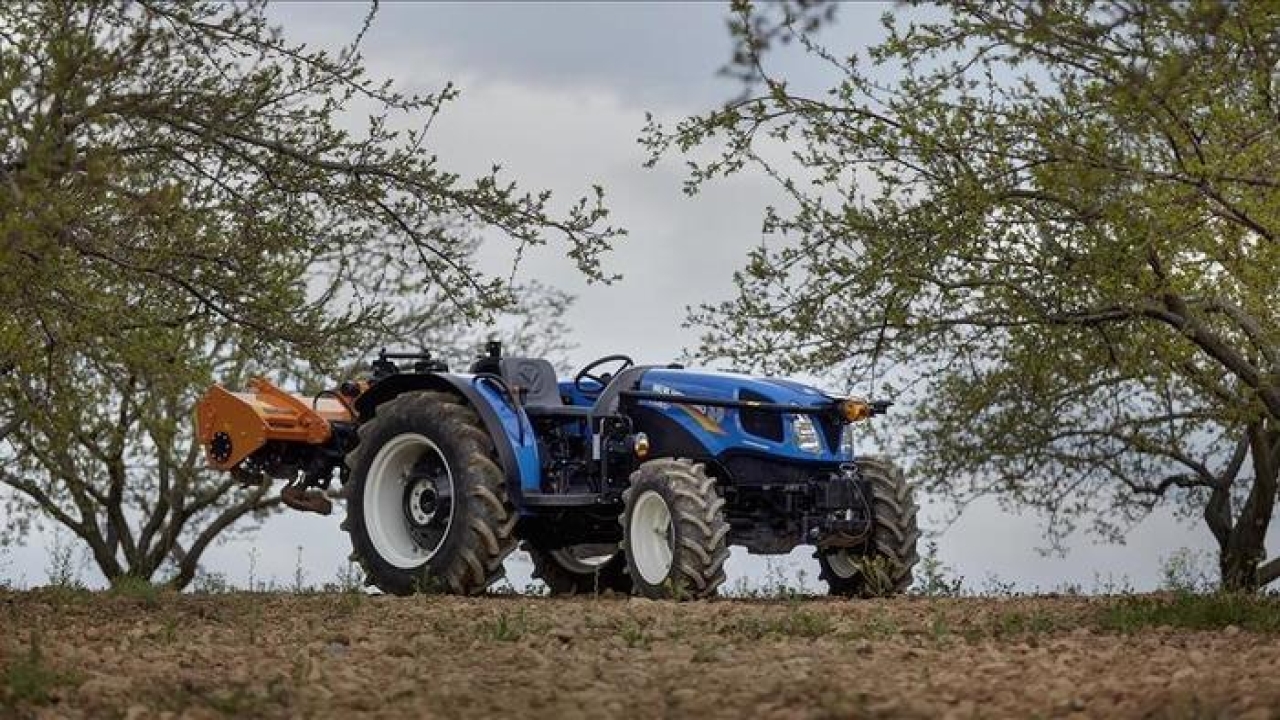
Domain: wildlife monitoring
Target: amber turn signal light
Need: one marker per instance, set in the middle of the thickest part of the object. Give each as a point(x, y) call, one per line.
point(854, 410)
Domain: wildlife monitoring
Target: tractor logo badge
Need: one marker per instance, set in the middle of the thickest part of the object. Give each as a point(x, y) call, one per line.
point(700, 414)
point(528, 375)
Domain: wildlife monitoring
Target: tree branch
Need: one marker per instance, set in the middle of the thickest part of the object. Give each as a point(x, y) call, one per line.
point(1269, 572)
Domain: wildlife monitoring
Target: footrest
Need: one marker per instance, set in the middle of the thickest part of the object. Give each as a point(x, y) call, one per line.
point(552, 500)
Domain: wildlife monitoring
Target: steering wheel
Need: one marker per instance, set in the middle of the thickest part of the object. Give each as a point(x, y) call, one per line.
point(587, 373)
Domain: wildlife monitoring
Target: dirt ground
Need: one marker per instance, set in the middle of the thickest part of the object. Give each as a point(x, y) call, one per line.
point(90, 655)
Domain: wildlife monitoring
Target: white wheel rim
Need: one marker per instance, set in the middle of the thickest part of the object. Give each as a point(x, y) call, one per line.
point(584, 559)
point(650, 538)
point(842, 564)
point(384, 500)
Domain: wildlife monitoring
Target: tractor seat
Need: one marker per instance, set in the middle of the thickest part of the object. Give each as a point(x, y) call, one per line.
point(535, 380)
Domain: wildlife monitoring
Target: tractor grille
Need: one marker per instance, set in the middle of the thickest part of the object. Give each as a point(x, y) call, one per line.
point(761, 423)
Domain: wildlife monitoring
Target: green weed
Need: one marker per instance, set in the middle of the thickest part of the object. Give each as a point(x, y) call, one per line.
point(1185, 571)
point(1016, 622)
point(774, 586)
point(136, 588)
point(28, 680)
point(876, 627)
point(509, 627)
point(935, 579)
point(706, 654)
point(877, 575)
point(349, 578)
point(797, 622)
point(939, 627)
point(64, 596)
point(803, 623)
point(211, 583)
point(169, 629)
point(1190, 611)
point(428, 584)
point(994, 587)
point(253, 622)
point(61, 571)
point(634, 635)
point(346, 604)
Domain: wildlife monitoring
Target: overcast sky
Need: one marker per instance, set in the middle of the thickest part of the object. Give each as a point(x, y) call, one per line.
point(557, 93)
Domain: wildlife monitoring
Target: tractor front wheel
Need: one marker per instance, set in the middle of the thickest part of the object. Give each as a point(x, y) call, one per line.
point(883, 566)
point(673, 530)
point(581, 569)
point(427, 509)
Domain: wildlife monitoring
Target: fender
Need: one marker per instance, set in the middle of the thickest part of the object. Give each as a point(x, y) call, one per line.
point(507, 425)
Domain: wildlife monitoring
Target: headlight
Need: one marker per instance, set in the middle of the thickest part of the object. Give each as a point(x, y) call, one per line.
point(846, 442)
point(806, 433)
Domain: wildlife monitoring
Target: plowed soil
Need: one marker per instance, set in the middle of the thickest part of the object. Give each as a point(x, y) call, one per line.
point(79, 654)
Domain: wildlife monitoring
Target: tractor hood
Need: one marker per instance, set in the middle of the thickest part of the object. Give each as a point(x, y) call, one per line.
point(708, 429)
point(732, 386)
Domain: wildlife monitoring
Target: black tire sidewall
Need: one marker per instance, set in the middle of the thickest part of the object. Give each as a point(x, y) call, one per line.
point(560, 580)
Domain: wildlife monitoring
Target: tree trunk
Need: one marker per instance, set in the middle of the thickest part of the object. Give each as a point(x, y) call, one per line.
point(1244, 549)
point(189, 564)
point(1239, 567)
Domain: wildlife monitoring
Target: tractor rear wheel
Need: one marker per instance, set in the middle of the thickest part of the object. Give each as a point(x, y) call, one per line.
point(581, 569)
point(427, 508)
point(883, 567)
point(673, 530)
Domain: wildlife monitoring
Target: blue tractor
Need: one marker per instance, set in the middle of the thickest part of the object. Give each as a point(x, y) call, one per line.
point(626, 478)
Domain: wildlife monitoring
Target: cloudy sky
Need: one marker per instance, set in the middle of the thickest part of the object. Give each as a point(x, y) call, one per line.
point(557, 94)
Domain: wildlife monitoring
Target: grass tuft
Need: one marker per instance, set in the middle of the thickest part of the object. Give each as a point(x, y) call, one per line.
point(509, 627)
point(634, 635)
point(1014, 623)
point(1190, 611)
point(27, 680)
point(136, 588)
point(796, 622)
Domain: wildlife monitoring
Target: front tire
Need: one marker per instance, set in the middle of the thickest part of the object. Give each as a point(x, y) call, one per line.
point(673, 531)
point(580, 570)
point(427, 508)
point(883, 567)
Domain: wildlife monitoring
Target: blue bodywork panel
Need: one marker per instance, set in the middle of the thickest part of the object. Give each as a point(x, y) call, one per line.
point(720, 429)
point(519, 433)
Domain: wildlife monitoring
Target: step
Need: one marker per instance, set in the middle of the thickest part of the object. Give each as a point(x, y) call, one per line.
point(566, 500)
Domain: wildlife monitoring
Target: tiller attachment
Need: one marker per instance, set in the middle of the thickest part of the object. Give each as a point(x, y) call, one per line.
point(269, 433)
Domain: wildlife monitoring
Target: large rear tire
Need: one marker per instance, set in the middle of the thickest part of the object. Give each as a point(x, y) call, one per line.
point(427, 508)
point(882, 567)
point(673, 531)
point(580, 570)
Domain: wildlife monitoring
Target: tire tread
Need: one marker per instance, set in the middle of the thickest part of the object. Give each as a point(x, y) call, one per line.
point(489, 533)
point(895, 531)
point(698, 510)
